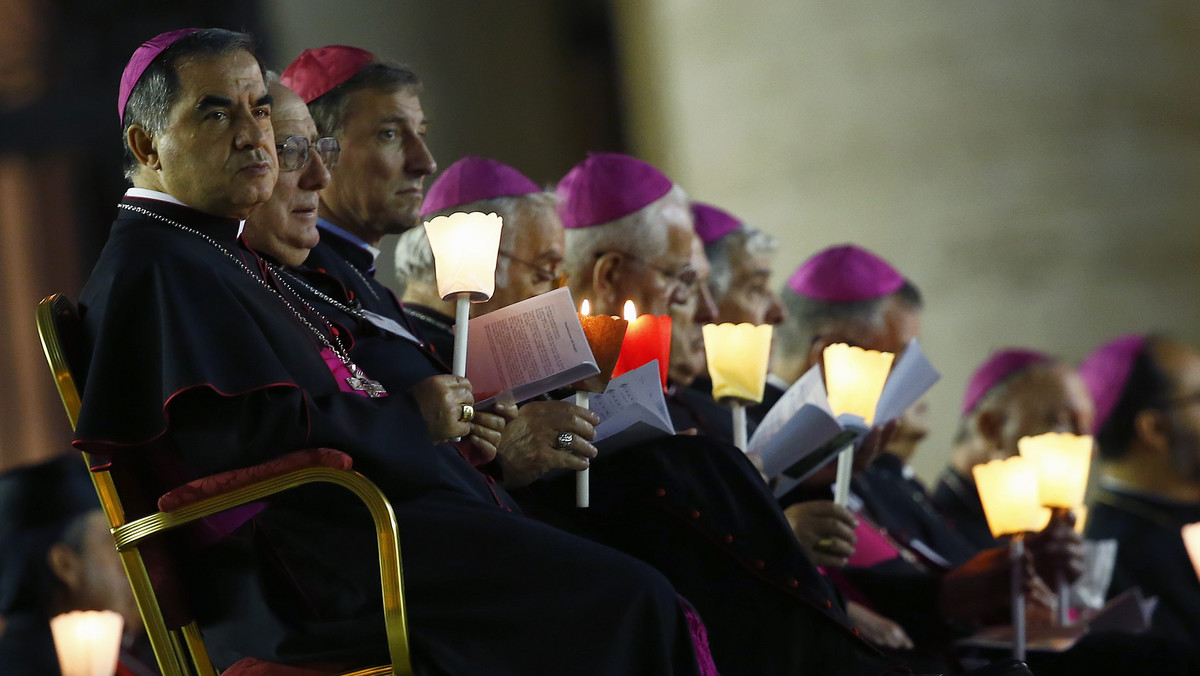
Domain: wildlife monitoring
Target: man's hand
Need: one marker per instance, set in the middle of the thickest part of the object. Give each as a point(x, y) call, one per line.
point(529, 447)
point(486, 430)
point(865, 451)
point(1058, 549)
point(441, 399)
point(980, 589)
point(878, 629)
point(825, 531)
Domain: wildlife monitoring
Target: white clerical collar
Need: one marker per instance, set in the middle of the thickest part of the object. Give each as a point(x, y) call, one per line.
point(147, 194)
point(778, 382)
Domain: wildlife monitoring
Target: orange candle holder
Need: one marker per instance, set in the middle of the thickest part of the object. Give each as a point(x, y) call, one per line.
point(605, 334)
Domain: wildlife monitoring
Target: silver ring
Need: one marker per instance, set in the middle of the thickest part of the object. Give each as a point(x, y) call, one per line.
point(468, 413)
point(564, 441)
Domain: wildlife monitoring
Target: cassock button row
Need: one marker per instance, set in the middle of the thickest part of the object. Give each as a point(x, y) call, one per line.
point(793, 582)
point(660, 492)
point(857, 632)
point(728, 539)
point(695, 514)
point(760, 564)
point(828, 603)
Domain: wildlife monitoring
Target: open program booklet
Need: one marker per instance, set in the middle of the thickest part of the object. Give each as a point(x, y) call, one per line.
point(528, 348)
point(632, 410)
point(800, 433)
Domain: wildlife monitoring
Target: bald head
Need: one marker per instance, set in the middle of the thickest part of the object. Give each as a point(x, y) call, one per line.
point(1043, 397)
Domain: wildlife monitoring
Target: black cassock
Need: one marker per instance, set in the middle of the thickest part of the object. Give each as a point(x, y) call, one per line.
point(696, 509)
point(196, 367)
point(1151, 555)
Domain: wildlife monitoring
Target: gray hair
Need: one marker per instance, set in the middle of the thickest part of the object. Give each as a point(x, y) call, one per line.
point(157, 90)
point(414, 258)
point(635, 234)
point(809, 318)
point(746, 238)
point(329, 109)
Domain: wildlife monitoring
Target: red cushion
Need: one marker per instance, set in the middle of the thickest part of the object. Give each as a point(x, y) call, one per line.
point(252, 667)
point(217, 484)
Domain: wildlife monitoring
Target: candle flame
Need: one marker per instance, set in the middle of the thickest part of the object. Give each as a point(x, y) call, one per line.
point(585, 308)
point(630, 311)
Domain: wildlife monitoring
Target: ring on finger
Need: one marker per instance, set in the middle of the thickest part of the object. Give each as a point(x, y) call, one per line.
point(564, 441)
point(467, 414)
point(823, 544)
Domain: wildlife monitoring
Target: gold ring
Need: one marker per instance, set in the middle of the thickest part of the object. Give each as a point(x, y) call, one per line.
point(823, 543)
point(468, 413)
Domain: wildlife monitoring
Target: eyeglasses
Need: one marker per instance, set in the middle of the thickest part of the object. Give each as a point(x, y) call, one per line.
point(553, 275)
point(293, 153)
point(684, 282)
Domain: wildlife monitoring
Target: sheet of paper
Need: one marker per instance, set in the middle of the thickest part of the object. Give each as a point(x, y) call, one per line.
point(809, 389)
point(641, 387)
point(1128, 612)
point(528, 348)
point(911, 377)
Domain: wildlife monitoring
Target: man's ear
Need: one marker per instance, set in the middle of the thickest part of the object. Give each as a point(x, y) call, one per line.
point(142, 146)
point(66, 564)
point(988, 426)
point(606, 278)
point(1152, 430)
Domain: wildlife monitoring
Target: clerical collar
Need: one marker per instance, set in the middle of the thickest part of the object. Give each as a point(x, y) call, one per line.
point(147, 194)
point(776, 381)
point(352, 246)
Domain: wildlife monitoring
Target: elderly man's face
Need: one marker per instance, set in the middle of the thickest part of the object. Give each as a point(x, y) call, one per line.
point(750, 297)
point(217, 153)
point(1182, 365)
point(653, 284)
point(286, 226)
point(377, 186)
point(534, 260)
point(687, 319)
point(1044, 399)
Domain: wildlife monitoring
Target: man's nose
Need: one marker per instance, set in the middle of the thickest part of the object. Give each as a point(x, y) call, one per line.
point(776, 313)
point(419, 159)
point(706, 309)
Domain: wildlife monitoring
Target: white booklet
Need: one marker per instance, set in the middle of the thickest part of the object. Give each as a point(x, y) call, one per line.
point(632, 410)
point(528, 348)
point(800, 434)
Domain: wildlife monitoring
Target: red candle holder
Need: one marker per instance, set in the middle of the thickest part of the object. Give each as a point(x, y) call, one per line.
point(648, 337)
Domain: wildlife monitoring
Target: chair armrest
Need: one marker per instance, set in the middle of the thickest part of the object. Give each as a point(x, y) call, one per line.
point(224, 482)
point(279, 478)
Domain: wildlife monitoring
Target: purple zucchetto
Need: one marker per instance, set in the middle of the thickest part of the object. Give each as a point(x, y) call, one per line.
point(999, 367)
point(1106, 370)
point(141, 59)
point(472, 179)
point(316, 71)
point(845, 274)
point(712, 223)
point(608, 186)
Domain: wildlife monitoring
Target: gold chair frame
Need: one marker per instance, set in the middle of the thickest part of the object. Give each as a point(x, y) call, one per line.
point(181, 652)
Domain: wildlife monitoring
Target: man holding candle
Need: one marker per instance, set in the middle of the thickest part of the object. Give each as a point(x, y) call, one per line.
point(57, 556)
point(1148, 430)
point(1015, 393)
point(207, 358)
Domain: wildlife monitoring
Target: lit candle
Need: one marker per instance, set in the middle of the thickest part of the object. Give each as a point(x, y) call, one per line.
point(1062, 462)
point(465, 246)
point(737, 357)
point(854, 379)
point(88, 643)
point(604, 335)
point(1191, 541)
point(647, 338)
point(1008, 490)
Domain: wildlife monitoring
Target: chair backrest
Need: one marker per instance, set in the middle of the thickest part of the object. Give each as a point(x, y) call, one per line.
point(179, 651)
